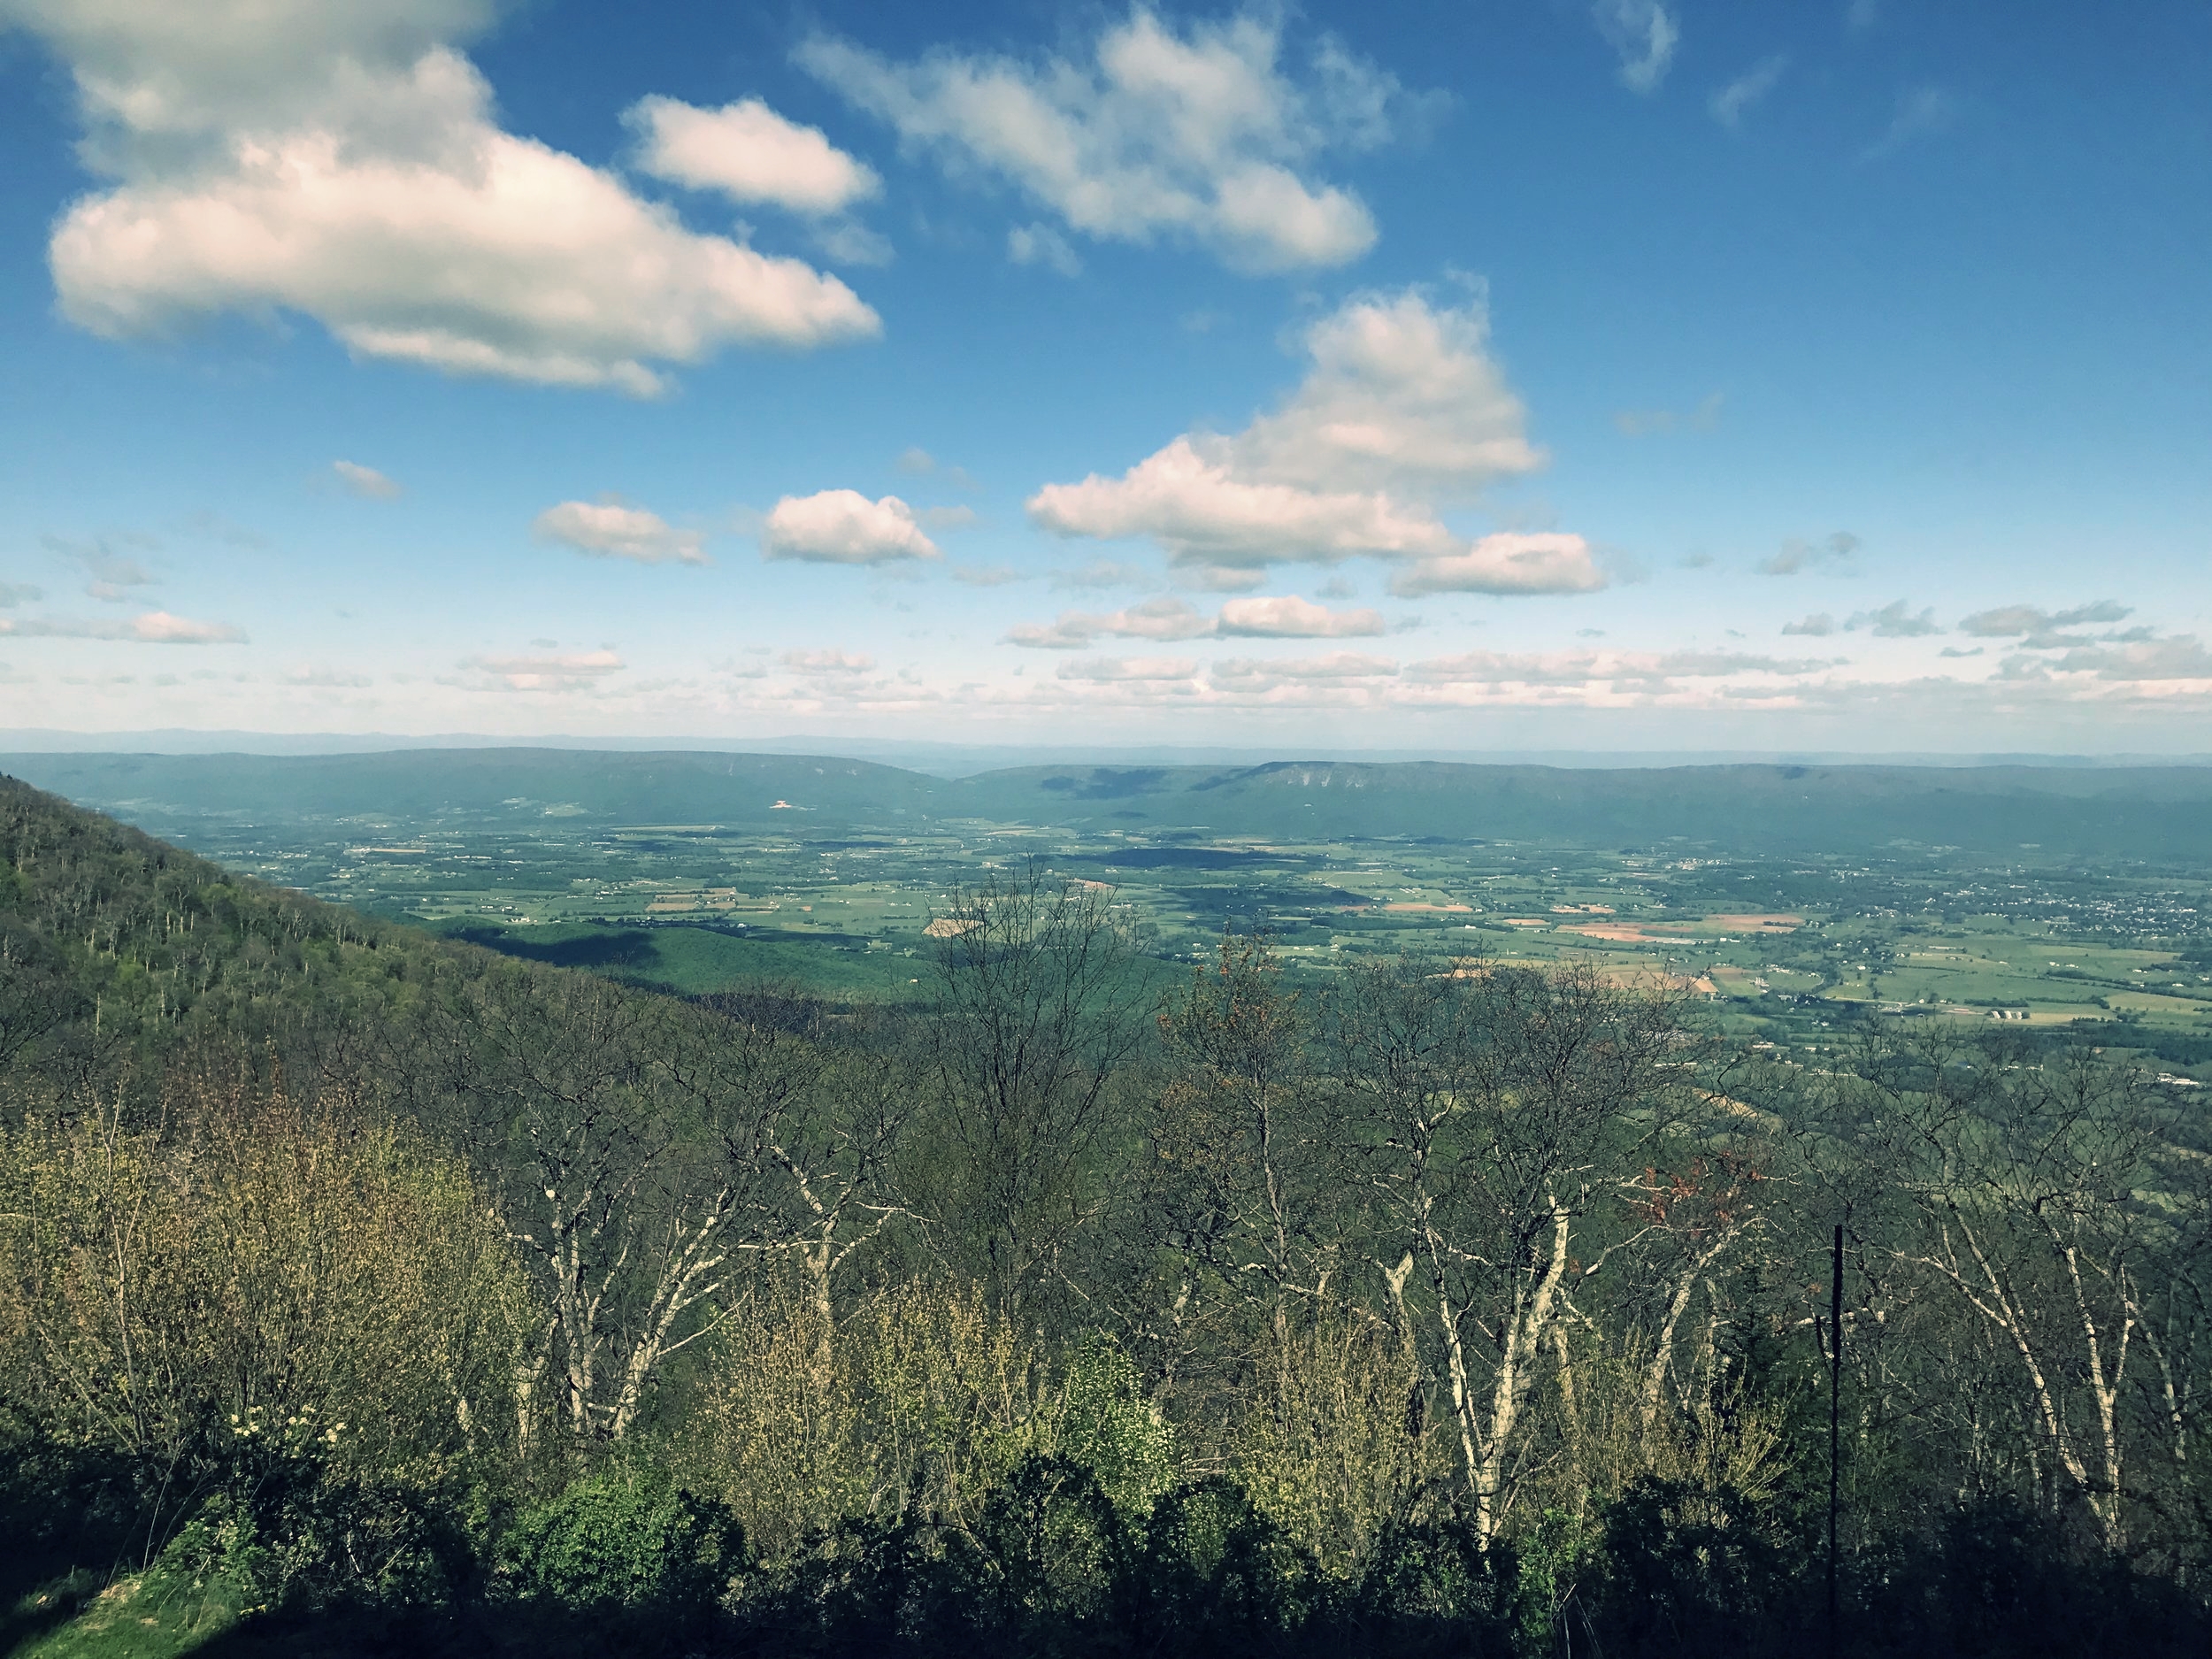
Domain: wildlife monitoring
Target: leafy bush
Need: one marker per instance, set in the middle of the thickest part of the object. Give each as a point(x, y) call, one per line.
point(629, 1538)
point(1109, 1427)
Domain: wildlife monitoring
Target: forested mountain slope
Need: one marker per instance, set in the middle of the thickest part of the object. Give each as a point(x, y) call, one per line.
point(115, 948)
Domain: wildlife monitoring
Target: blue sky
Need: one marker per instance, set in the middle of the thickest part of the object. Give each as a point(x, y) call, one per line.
point(1611, 374)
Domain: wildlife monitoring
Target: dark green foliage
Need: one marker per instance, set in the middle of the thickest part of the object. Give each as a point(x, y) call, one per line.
point(1999, 1582)
point(1691, 1571)
point(624, 1538)
point(1218, 1575)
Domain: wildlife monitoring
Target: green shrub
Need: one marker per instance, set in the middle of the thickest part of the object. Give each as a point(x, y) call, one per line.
point(1109, 1427)
point(629, 1538)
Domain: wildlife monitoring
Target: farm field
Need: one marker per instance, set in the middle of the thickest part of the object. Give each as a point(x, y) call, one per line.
point(830, 871)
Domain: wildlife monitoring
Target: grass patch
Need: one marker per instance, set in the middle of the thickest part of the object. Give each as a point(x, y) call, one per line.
point(148, 1616)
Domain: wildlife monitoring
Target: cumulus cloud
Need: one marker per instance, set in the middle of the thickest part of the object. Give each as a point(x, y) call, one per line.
point(1819, 626)
point(1401, 406)
point(1197, 135)
point(341, 160)
point(365, 481)
point(1506, 562)
point(574, 672)
point(748, 153)
point(1164, 619)
point(842, 526)
point(1643, 35)
point(155, 628)
point(1290, 618)
point(609, 528)
point(1895, 621)
point(1795, 556)
point(1730, 104)
point(1122, 668)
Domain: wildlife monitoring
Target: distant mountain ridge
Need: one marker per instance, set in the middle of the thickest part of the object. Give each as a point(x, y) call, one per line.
point(2156, 813)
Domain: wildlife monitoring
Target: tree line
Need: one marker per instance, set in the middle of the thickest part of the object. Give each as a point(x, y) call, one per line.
point(1080, 1304)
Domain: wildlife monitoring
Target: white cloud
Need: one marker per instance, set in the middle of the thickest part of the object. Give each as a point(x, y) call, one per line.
point(849, 241)
point(341, 159)
point(1643, 35)
point(842, 526)
point(1507, 562)
point(748, 153)
point(1103, 573)
point(1729, 104)
point(2177, 657)
point(1164, 619)
point(1633, 668)
point(1197, 135)
point(1290, 618)
point(826, 662)
point(366, 481)
point(1118, 668)
point(1239, 673)
point(611, 529)
point(1206, 514)
point(13, 594)
point(1795, 555)
point(1401, 405)
point(1040, 244)
point(112, 572)
point(574, 672)
point(1819, 626)
point(1894, 621)
point(155, 628)
point(2013, 621)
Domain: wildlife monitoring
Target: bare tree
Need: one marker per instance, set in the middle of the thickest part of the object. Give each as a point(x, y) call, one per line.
point(1241, 1187)
point(2026, 1181)
point(807, 1131)
point(1501, 1107)
point(555, 1083)
point(1036, 1003)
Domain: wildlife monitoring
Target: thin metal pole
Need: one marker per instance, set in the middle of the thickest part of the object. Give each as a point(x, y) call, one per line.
point(1835, 1427)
